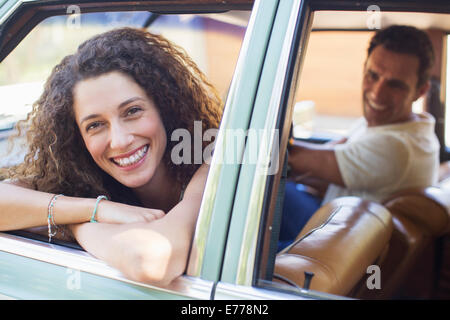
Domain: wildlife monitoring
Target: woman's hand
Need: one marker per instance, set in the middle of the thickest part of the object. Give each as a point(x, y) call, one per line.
point(114, 212)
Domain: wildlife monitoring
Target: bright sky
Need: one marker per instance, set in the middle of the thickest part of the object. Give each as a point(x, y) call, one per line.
point(16, 100)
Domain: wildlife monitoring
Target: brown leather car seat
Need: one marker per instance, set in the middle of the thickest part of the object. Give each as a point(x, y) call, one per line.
point(419, 216)
point(339, 242)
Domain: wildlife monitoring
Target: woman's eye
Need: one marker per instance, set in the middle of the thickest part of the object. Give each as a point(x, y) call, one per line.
point(133, 110)
point(92, 126)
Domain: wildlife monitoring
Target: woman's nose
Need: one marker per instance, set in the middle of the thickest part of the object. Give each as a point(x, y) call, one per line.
point(120, 137)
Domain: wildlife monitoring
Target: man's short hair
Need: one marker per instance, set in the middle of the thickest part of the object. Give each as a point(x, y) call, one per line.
point(410, 40)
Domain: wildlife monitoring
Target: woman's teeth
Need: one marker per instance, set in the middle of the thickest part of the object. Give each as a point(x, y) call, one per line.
point(123, 162)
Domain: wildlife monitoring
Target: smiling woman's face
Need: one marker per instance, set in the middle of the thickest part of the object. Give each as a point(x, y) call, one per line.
point(121, 127)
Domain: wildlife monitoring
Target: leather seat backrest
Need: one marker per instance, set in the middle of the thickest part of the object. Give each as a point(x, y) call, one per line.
point(347, 235)
point(428, 208)
point(419, 215)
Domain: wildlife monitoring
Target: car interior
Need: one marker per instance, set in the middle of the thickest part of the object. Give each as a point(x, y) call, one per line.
point(406, 236)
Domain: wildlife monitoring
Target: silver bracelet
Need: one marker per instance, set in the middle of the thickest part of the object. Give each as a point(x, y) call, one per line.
point(51, 217)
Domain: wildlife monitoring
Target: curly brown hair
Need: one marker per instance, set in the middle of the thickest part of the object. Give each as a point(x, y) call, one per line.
point(58, 161)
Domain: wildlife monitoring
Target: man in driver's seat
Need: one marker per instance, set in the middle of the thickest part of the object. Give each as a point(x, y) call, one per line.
point(390, 149)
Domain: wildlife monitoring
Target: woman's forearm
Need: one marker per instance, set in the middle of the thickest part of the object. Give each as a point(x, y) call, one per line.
point(25, 208)
point(144, 252)
point(153, 252)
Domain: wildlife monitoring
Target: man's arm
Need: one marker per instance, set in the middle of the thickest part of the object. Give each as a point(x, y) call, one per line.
point(318, 161)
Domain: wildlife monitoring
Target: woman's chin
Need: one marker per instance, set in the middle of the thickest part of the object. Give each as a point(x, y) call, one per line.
point(133, 178)
point(133, 184)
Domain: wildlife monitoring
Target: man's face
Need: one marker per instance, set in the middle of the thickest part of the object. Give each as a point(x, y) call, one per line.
point(390, 86)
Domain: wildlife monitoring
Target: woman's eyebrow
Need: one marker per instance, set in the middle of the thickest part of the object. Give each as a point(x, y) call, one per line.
point(121, 105)
point(128, 101)
point(91, 116)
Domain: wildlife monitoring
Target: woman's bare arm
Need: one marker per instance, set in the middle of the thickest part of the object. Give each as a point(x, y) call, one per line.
point(22, 208)
point(155, 252)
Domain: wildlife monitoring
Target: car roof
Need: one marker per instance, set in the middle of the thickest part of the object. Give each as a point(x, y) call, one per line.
point(357, 20)
point(18, 17)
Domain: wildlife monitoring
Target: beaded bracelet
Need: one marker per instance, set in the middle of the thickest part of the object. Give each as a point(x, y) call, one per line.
point(51, 217)
point(99, 198)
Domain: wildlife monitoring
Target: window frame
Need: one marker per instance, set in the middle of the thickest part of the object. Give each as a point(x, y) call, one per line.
point(444, 98)
point(215, 212)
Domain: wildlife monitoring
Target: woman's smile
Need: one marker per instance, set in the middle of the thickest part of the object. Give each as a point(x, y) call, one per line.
point(132, 159)
point(121, 127)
